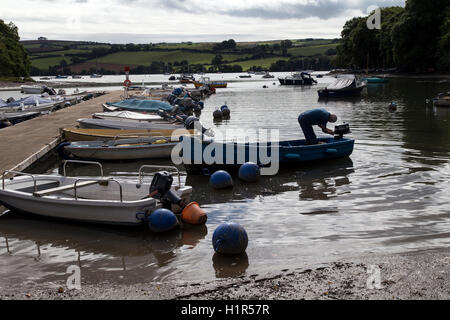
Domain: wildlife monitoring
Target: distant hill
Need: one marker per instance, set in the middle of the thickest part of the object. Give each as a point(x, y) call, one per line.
point(52, 57)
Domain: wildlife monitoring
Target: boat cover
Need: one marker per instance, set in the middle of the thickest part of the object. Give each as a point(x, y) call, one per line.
point(28, 101)
point(127, 115)
point(142, 105)
point(340, 84)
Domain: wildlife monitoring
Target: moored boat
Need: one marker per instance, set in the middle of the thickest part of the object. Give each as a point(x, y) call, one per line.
point(375, 80)
point(123, 149)
point(123, 124)
point(78, 134)
point(105, 200)
point(141, 105)
point(206, 82)
point(34, 89)
point(297, 79)
point(345, 85)
point(127, 115)
point(442, 100)
point(292, 152)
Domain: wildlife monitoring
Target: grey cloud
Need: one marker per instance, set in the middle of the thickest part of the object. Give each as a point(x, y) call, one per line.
point(323, 9)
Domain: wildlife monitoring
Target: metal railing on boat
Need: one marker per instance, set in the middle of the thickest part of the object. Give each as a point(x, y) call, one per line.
point(82, 162)
point(159, 167)
point(18, 173)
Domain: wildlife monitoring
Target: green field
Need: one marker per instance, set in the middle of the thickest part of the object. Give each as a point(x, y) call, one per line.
point(176, 52)
point(147, 57)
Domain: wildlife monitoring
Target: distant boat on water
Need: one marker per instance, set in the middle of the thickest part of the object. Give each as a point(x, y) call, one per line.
point(345, 85)
point(95, 75)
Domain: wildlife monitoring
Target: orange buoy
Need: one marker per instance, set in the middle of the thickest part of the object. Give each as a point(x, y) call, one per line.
point(193, 214)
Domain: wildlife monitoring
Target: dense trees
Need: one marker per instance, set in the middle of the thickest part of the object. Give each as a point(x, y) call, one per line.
point(14, 60)
point(414, 38)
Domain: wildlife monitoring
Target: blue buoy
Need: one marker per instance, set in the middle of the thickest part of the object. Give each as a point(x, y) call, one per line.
point(249, 172)
point(221, 180)
point(230, 238)
point(162, 220)
point(225, 110)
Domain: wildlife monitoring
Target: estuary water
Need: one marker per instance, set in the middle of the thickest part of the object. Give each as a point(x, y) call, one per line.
point(391, 195)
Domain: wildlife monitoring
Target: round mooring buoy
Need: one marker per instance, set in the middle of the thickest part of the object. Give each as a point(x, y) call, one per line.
point(162, 220)
point(217, 114)
point(249, 172)
point(225, 111)
point(230, 238)
point(221, 180)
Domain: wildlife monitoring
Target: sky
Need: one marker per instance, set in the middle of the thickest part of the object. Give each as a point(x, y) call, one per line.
point(154, 21)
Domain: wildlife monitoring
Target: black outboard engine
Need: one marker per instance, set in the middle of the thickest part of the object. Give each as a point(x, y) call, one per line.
point(342, 129)
point(50, 91)
point(160, 189)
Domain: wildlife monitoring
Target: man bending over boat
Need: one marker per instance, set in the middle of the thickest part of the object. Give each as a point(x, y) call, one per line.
point(318, 117)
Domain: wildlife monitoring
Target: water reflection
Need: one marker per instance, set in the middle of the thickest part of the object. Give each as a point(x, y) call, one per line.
point(230, 266)
point(134, 247)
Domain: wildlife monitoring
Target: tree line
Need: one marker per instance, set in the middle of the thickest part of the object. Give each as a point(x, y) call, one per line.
point(412, 39)
point(14, 61)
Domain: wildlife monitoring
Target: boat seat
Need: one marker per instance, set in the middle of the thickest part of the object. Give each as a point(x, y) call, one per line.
point(64, 188)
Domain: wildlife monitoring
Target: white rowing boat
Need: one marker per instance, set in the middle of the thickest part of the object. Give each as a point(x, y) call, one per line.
point(127, 115)
point(105, 200)
point(125, 149)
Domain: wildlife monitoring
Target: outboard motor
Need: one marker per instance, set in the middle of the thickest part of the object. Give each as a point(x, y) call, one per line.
point(160, 189)
point(342, 129)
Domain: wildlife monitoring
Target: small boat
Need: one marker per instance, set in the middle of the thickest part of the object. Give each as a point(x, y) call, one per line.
point(123, 149)
point(206, 82)
point(77, 77)
point(187, 78)
point(345, 85)
point(375, 80)
point(141, 105)
point(235, 154)
point(61, 77)
point(298, 79)
point(10, 118)
point(245, 76)
point(45, 78)
point(104, 200)
point(36, 89)
point(79, 134)
point(123, 124)
point(442, 100)
point(268, 76)
point(128, 115)
point(95, 75)
point(33, 103)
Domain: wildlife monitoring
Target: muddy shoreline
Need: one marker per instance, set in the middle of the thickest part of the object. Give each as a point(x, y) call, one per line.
point(420, 275)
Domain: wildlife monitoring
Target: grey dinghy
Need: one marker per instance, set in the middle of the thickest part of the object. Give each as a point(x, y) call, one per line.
point(100, 199)
point(124, 149)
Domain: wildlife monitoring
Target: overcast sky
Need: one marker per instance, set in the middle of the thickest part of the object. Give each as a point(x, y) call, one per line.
point(144, 21)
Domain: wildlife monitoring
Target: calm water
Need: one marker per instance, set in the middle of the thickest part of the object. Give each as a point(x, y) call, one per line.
point(391, 195)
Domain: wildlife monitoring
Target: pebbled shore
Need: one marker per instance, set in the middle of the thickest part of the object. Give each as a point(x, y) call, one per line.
point(409, 276)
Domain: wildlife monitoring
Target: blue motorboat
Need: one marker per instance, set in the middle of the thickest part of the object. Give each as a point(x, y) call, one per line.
point(231, 155)
point(141, 105)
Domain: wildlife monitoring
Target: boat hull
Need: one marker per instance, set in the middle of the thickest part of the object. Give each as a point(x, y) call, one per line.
point(106, 208)
point(295, 82)
point(340, 93)
point(288, 152)
point(120, 152)
point(76, 134)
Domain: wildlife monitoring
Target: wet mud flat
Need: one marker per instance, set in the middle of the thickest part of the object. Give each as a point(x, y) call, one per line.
point(408, 276)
